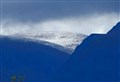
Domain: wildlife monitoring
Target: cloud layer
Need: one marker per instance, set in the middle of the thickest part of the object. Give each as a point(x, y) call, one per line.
point(97, 23)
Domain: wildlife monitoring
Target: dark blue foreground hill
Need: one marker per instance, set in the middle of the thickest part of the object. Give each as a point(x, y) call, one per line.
point(96, 59)
point(34, 61)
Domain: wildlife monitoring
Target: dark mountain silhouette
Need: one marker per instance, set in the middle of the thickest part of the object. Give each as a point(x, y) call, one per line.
point(96, 59)
point(34, 61)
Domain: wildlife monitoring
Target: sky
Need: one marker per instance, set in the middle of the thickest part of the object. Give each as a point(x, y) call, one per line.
point(81, 16)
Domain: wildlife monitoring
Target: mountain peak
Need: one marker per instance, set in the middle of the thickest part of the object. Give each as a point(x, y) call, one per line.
point(115, 30)
point(96, 59)
point(67, 40)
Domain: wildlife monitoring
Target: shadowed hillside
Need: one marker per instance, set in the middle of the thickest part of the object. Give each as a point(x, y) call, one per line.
point(96, 59)
point(34, 61)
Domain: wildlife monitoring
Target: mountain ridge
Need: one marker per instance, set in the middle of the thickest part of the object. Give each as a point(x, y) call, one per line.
point(64, 41)
point(96, 59)
point(30, 59)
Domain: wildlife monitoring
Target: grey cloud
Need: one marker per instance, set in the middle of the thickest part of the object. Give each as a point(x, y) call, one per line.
point(97, 23)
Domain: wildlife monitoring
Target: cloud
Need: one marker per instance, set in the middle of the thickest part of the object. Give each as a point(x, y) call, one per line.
point(96, 23)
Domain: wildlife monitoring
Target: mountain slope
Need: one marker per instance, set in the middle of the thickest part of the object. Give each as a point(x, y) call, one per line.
point(96, 59)
point(35, 61)
point(67, 40)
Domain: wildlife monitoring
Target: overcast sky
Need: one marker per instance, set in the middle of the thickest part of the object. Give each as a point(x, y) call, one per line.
point(82, 16)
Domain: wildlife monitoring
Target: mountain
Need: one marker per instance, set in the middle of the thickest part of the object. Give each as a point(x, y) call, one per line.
point(96, 59)
point(67, 41)
point(35, 61)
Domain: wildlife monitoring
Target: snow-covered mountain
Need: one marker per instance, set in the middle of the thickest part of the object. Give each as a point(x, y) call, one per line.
point(65, 41)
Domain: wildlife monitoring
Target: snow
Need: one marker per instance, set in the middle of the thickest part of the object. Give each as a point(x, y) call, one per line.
point(67, 40)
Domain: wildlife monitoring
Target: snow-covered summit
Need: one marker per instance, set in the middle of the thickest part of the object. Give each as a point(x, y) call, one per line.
point(68, 40)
